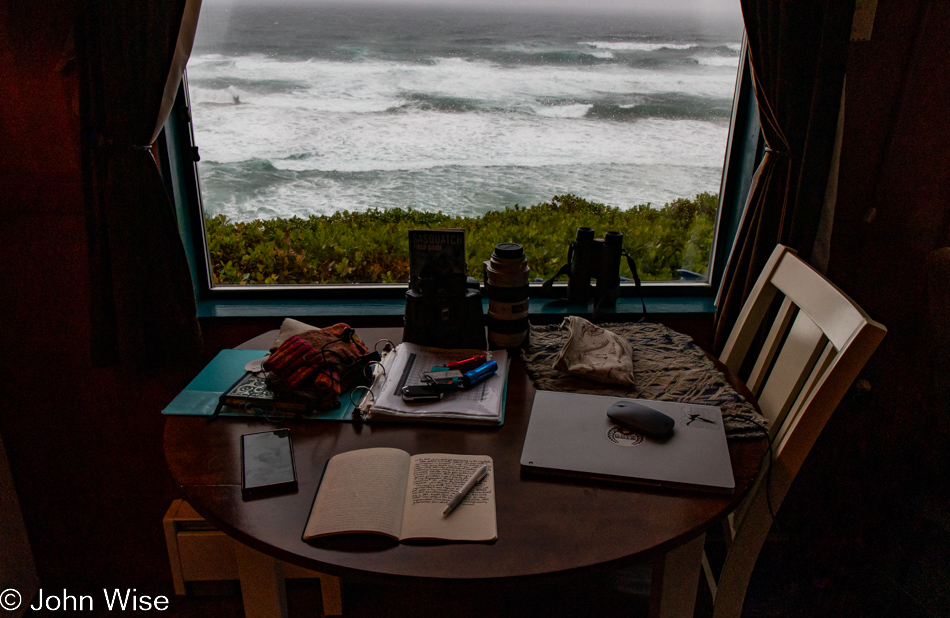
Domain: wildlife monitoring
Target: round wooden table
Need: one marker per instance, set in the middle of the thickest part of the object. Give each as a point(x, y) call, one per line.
point(546, 525)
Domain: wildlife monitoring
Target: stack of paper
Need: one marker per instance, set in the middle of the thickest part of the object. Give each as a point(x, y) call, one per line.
point(483, 404)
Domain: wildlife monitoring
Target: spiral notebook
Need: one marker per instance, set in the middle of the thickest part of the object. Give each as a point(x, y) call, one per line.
point(406, 365)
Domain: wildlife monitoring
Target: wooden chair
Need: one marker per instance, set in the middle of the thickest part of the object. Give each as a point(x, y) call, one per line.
point(819, 342)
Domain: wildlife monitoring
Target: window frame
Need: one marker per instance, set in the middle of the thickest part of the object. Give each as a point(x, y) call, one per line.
point(179, 156)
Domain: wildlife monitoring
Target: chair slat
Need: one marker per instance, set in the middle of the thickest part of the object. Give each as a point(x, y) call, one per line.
point(814, 382)
point(825, 304)
point(771, 347)
point(794, 363)
point(750, 316)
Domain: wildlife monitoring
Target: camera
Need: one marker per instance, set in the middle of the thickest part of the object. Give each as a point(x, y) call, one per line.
point(445, 312)
point(593, 258)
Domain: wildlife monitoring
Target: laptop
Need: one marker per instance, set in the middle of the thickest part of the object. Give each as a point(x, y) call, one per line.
point(570, 434)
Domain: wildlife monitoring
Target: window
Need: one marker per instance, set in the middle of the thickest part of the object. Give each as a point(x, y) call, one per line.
point(394, 113)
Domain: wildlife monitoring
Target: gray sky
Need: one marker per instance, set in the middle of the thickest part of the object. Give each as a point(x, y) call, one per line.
point(692, 7)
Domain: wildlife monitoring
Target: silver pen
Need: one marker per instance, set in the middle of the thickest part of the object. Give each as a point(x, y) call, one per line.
point(467, 487)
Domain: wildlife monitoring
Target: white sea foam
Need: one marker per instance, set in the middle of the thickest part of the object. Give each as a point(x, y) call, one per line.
point(576, 110)
point(317, 136)
point(730, 62)
point(372, 86)
point(221, 96)
point(638, 45)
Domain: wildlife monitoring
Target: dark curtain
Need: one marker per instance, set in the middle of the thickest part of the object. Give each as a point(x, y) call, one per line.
point(798, 52)
point(142, 300)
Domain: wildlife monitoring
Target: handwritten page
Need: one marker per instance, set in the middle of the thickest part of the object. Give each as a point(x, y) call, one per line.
point(433, 480)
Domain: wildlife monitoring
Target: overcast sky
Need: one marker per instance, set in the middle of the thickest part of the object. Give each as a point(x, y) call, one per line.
point(693, 7)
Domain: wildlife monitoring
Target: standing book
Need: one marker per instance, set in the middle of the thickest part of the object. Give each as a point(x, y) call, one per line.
point(435, 254)
point(386, 491)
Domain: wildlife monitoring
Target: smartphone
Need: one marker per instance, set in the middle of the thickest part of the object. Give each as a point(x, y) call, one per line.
point(267, 463)
point(421, 394)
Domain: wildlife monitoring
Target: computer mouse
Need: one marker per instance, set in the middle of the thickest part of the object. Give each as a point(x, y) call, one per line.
point(641, 419)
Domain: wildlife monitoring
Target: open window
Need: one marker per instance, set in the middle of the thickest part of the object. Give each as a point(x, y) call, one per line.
point(325, 131)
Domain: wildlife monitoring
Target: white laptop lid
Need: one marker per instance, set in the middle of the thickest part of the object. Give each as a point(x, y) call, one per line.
point(570, 433)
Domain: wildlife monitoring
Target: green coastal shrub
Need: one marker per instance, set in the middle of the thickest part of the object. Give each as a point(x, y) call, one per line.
point(373, 247)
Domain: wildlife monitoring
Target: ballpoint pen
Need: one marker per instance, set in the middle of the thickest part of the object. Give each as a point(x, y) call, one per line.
point(467, 487)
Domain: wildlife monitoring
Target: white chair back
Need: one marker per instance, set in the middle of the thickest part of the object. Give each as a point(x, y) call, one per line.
point(818, 343)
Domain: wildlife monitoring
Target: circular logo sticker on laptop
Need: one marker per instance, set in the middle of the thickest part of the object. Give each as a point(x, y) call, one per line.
point(622, 436)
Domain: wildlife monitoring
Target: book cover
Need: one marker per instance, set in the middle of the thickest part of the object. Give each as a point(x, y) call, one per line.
point(252, 390)
point(435, 254)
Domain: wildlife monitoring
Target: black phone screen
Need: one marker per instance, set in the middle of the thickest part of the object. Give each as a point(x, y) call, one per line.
point(268, 462)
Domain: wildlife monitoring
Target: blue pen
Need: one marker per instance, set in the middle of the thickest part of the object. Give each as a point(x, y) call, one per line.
point(473, 377)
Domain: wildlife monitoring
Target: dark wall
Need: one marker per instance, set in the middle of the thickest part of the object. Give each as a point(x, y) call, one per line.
point(85, 443)
point(862, 511)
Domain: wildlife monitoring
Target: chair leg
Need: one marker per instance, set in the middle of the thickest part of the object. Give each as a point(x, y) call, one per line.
point(332, 595)
point(710, 577)
point(740, 561)
point(675, 581)
point(262, 584)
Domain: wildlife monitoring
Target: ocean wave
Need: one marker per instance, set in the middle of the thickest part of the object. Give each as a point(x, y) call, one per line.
point(453, 189)
point(351, 108)
point(570, 110)
point(422, 101)
point(671, 106)
point(448, 84)
point(424, 140)
point(549, 53)
point(245, 82)
point(638, 46)
point(238, 169)
point(220, 96)
point(717, 61)
point(572, 57)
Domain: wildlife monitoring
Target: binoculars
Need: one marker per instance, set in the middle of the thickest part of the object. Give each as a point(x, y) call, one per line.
point(597, 258)
point(593, 258)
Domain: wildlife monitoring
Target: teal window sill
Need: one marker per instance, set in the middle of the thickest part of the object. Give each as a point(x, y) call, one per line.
point(394, 307)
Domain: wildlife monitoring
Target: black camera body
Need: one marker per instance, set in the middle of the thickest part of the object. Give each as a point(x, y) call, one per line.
point(597, 258)
point(445, 312)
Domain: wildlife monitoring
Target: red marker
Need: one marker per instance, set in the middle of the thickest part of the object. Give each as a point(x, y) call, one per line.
point(468, 363)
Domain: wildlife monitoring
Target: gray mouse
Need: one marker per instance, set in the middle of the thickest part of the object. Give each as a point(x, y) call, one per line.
point(641, 419)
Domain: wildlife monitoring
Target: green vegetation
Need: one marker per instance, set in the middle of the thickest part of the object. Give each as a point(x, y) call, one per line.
point(372, 246)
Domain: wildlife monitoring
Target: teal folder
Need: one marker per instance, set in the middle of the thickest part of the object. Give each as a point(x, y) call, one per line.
point(201, 396)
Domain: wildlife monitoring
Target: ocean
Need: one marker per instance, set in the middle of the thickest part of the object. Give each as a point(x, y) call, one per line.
point(302, 110)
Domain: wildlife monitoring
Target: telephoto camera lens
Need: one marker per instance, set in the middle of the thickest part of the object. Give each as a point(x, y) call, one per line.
point(506, 281)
